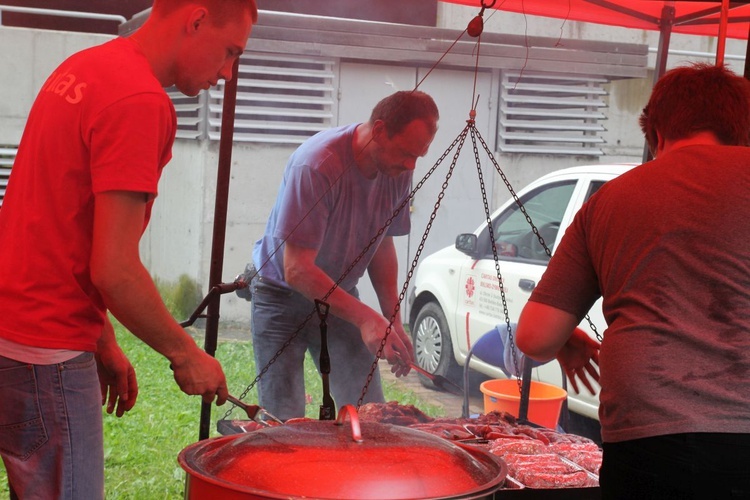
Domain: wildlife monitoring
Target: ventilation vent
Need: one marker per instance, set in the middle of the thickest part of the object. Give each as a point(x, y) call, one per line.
point(551, 114)
point(7, 157)
point(281, 100)
point(191, 122)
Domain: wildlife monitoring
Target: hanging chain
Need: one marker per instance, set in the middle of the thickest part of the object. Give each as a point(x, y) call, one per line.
point(460, 139)
point(534, 229)
point(410, 273)
point(496, 258)
point(372, 241)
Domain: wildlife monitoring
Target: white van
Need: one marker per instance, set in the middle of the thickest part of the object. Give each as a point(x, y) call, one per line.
point(456, 297)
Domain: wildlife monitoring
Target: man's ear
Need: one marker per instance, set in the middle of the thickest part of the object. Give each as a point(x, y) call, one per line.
point(196, 18)
point(379, 131)
point(660, 142)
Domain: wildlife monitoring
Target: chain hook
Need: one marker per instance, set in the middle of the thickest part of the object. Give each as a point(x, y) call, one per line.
point(476, 25)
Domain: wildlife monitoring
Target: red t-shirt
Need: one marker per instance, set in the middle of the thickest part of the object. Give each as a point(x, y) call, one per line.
point(101, 122)
point(666, 247)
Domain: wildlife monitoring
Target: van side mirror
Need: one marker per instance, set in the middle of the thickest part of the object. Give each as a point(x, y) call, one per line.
point(467, 243)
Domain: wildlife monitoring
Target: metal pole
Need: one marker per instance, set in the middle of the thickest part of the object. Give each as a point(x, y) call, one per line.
point(665, 33)
point(62, 13)
point(523, 409)
point(220, 225)
point(722, 32)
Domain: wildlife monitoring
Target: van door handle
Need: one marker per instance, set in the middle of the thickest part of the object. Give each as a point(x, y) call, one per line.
point(527, 285)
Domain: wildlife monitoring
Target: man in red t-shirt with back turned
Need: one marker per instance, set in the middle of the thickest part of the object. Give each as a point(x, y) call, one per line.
point(78, 200)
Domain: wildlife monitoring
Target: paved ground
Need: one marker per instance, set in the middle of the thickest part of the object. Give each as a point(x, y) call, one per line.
point(452, 405)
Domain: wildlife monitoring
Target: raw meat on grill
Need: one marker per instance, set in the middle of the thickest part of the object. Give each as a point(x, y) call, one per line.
point(536, 457)
point(392, 413)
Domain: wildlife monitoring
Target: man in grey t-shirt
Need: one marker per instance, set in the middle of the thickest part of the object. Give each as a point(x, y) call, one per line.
point(339, 191)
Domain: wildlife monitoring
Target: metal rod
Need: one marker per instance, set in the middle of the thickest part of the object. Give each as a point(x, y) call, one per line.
point(523, 408)
point(220, 225)
point(62, 13)
point(722, 42)
point(660, 66)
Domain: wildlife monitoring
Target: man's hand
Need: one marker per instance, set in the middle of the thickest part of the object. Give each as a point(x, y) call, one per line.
point(398, 350)
point(402, 367)
point(579, 357)
point(198, 373)
point(116, 375)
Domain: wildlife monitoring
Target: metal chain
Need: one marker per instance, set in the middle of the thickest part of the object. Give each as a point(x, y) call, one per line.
point(397, 307)
point(533, 228)
point(496, 258)
point(460, 139)
point(410, 273)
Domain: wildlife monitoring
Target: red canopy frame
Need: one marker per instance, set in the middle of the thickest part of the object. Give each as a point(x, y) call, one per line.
point(719, 18)
point(688, 16)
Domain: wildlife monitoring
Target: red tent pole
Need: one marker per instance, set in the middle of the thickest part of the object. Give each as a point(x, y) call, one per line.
point(720, 47)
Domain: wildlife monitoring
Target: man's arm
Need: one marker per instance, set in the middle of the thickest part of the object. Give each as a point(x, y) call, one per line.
point(301, 273)
point(116, 375)
point(383, 272)
point(545, 332)
point(130, 294)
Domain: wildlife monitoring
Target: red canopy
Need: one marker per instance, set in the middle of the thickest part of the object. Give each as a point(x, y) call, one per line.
point(694, 18)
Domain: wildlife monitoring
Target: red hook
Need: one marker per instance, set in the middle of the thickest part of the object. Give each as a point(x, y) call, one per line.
point(476, 25)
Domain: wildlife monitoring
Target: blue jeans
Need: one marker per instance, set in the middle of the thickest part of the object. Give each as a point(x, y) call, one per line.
point(276, 314)
point(51, 429)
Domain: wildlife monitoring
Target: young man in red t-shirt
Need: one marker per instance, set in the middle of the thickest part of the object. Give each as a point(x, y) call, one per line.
point(78, 200)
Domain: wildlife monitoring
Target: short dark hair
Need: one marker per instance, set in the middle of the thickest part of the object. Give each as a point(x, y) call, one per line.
point(698, 98)
point(403, 107)
point(222, 11)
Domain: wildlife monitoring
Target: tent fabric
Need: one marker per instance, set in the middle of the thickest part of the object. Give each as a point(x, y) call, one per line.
point(694, 18)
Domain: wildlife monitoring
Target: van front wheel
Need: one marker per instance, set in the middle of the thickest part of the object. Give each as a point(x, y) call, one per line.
point(433, 348)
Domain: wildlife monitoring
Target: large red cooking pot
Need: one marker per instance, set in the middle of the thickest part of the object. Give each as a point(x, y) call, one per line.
point(338, 460)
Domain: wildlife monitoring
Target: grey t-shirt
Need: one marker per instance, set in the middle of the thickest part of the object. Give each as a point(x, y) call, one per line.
point(325, 203)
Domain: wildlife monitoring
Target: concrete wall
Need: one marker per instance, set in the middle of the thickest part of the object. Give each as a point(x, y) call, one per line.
point(27, 57)
point(180, 236)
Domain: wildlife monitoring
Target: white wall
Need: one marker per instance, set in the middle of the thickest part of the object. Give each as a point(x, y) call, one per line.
point(179, 238)
point(27, 57)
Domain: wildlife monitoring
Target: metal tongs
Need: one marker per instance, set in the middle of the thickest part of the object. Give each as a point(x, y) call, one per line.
point(439, 381)
point(256, 413)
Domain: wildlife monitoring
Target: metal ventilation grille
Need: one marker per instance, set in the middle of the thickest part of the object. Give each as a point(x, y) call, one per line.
point(550, 114)
point(7, 157)
point(191, 112)
point(281, 100)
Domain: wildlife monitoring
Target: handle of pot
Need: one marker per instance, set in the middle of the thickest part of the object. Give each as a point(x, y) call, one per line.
point(351, 411)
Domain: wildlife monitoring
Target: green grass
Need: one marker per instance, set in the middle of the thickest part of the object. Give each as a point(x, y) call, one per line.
point(141, 448)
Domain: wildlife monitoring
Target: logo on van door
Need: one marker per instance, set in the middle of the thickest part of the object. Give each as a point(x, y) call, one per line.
point(469, 287)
